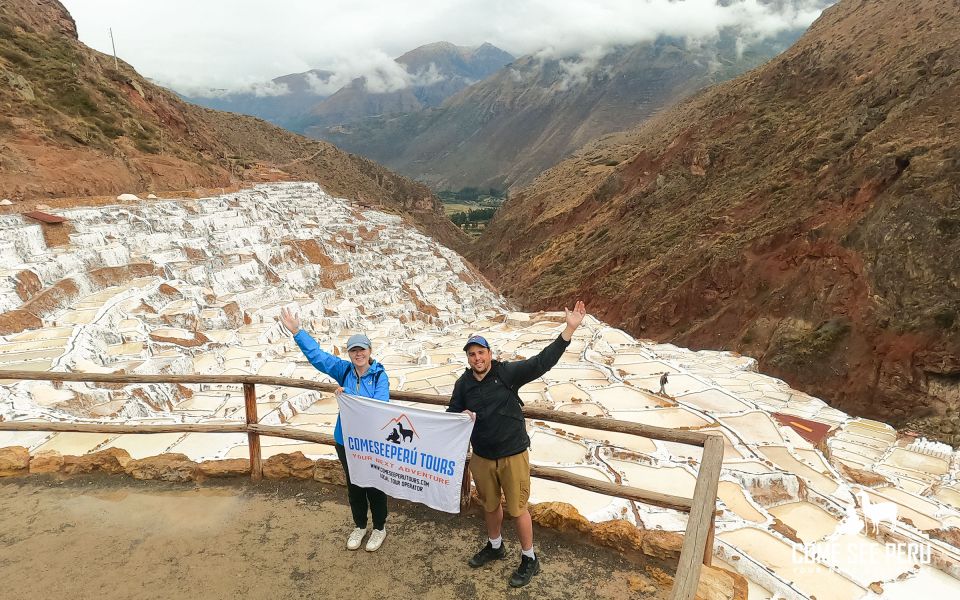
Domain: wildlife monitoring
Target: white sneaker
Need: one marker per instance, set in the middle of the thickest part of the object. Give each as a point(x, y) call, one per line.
point(356, 536)
point(376, 539)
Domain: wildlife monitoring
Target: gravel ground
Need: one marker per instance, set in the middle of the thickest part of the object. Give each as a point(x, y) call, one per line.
point(113, 537)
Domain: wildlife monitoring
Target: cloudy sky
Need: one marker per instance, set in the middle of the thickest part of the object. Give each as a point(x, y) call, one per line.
point(234, 44)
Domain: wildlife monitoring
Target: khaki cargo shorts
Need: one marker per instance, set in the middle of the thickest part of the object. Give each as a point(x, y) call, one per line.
point(510, 474)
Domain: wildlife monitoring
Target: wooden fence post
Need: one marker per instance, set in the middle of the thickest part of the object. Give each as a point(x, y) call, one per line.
point(253, 439)
point(708, 548)
point(702, 514)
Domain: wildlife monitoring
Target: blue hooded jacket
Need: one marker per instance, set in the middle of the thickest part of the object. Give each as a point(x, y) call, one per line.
point(373, 384)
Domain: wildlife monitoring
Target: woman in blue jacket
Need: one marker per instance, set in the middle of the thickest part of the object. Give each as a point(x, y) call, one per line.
point(359, 376)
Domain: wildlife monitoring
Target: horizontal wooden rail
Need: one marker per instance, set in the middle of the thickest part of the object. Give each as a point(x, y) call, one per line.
point(120, 428)
point(290, 433)
point(612, 489)
point(317, 437)
point(694, 438)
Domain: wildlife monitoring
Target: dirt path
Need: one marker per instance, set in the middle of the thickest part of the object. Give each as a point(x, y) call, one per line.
point(112, 538)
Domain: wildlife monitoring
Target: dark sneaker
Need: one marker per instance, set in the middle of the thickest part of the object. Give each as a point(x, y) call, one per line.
point(525, 572)
point(487, 554)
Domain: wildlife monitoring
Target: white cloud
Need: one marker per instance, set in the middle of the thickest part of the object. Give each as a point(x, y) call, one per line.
point(577, 70)
point(233, 44)
point(270, 88)
point(322, 87)
point(429, 76)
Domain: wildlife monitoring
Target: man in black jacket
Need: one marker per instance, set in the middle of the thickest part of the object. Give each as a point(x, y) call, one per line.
point(487, 391)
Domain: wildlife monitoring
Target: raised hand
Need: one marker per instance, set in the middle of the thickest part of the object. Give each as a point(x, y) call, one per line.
point(575, 316)
point(290, 320)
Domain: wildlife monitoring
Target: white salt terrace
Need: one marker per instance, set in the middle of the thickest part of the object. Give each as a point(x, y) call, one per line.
point(277, 244)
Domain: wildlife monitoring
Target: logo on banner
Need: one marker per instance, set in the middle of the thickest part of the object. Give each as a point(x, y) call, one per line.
point(400, 434)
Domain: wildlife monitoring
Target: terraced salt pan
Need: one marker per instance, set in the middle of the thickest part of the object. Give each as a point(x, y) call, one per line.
point(584, 376)
point(662, 417)
point(46, 333)
point(914, 461)
point(873, 430)
point(714, 401)
point(667, 480)
point(586, 503)
point(810, 578)
point(46, 395)
point(625, 397)
point(21, 346)
point(303, 420)
point(77, 317)
point(207, 446)
point(918, 510)
point(811, 522)
point(733, 449)
point(612, 438)
point(616, 337)
point(781, 457)
point(311, 451)
point(567, 392)
point(74, 443)
point(735, 499)
point(866, 560)
point(688, 451)
point(928, 583)
point(549, 448)
point(142, 446)
point(211, 403)
point(754, 590)
point(949, 495)
point(27, 439)
point(757, 427)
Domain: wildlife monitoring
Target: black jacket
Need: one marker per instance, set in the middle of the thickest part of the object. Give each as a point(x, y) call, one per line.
point(500, 430)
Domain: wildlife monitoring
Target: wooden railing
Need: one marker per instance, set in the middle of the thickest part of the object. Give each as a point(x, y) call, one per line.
point(697, 548)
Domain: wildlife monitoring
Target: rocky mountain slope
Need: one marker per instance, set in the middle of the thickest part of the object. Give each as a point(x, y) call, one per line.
point(806, 213)
point(534, 112)
point(71, 124)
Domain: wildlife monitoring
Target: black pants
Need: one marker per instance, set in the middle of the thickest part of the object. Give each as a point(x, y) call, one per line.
point(361, 497)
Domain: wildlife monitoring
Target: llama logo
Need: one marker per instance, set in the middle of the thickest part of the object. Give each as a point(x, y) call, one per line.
point(874, 514)
point(878, 513)
point(398, 433)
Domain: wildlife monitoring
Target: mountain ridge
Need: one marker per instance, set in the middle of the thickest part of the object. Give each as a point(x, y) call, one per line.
point(505, 130)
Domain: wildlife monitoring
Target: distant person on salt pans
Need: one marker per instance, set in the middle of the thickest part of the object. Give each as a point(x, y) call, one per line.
point(488, 392)
point(360, 376)
point(663, 383)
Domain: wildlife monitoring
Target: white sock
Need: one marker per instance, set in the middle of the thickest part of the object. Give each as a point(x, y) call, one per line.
point(496, 542)
point(529, 553)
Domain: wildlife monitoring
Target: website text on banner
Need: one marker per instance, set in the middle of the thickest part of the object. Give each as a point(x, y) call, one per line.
point(407, 452)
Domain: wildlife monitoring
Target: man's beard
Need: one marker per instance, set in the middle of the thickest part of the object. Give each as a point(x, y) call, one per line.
point(483, 372)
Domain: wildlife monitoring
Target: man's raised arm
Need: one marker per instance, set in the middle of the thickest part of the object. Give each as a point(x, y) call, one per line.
point(521, 372)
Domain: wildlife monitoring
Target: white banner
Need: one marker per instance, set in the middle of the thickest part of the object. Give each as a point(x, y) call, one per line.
point(407, 452)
